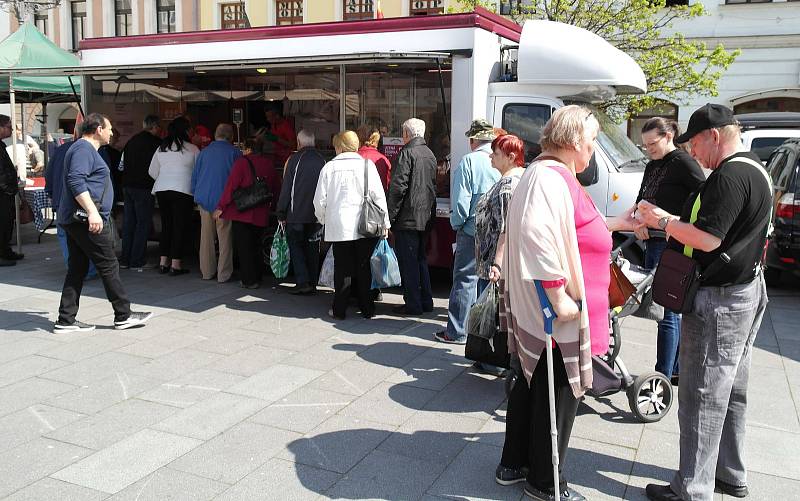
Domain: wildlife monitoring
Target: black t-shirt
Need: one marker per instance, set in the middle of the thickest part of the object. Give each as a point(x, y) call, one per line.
point(735, 203)
point(668, 182)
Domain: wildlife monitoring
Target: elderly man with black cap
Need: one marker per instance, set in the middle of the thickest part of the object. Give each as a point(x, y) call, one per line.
point(473, 177)
point(724, 228)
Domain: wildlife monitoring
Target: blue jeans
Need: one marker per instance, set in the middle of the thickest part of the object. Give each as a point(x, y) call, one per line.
point(62, 242)
point(464, 292)
point(669, 329)
point(136, 226)
point(303, 240)
point(410, 248)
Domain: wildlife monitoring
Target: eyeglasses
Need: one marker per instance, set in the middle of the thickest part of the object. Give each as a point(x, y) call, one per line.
point(589, 116)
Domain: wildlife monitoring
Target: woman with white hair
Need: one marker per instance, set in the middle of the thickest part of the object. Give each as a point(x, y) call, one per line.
point(337, 205)
point(555, 235)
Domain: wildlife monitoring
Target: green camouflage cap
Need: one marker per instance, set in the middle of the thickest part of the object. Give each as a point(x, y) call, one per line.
point(481, 130)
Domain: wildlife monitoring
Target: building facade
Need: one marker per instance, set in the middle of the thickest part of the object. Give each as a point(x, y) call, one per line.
point(765, 77)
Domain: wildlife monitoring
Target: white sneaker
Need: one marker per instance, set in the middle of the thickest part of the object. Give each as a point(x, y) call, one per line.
point(73, 327)
point(136, 318)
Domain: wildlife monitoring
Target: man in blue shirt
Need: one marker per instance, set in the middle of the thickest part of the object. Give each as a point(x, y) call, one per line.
point(473, 177)
point(83, 212)
point(211, 170)
point(53, 186)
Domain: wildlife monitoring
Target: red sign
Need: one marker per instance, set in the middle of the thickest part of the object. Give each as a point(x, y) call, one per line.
point(392, 146)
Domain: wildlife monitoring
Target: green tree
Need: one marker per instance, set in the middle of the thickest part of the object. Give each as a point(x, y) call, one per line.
point(676, 68)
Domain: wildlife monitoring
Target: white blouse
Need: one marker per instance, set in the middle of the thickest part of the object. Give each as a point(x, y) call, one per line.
point(172, 170)
point(340, 192)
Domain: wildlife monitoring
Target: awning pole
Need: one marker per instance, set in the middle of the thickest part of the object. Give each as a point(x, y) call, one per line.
point(11, 99)
point(77, 99)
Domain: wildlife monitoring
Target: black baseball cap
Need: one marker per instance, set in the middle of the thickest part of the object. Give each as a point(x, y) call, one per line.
point(709, 116)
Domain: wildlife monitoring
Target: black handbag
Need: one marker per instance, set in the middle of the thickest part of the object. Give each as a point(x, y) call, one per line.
point(256, 194)
point(676, 281)
point(371, 224)
point(495, 353)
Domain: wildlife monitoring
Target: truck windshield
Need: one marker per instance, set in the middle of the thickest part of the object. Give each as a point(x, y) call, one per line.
point(617, 145)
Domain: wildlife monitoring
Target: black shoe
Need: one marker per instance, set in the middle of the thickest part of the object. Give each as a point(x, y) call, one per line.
point(492, 370)
point(13, 256)
point(163, 269)
point(379, 296)
point(427, 309)
point(509, 476)
point(174, 272)
point(737, 491)
point(7, 262)
point(303, 290)
point(336, 317)
point(657, 492)
point(134, 319)
point(254, 285)
point(73, 327)
point(403, 310)
point(567, 494)
point(674, 380)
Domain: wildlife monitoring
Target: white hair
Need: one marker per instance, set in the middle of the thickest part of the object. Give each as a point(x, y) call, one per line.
point(305, 138)
point(414, 127)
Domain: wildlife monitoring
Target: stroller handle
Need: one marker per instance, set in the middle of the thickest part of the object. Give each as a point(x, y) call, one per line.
point(630, 238)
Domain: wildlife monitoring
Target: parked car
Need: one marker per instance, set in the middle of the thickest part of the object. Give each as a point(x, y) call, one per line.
point(783, 252)
point(762, 133)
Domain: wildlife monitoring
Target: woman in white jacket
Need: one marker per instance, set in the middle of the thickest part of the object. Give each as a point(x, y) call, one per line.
point(337, 205)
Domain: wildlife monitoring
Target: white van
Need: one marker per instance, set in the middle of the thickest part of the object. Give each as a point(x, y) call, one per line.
point(763, 133)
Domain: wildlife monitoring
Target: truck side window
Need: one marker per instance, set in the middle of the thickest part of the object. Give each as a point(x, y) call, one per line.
point(526, 121)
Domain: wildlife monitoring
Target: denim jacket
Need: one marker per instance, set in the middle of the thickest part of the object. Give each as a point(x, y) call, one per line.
point(472, 178)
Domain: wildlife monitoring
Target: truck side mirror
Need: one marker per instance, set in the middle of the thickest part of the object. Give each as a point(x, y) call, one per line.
point(589, 176)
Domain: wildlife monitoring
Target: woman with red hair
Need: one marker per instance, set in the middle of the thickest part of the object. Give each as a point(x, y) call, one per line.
point(508, 157)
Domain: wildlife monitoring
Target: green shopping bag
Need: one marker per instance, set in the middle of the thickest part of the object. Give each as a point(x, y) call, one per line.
point(279, 255)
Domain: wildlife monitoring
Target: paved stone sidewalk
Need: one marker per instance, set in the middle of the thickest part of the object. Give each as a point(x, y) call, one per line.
point(247, 395)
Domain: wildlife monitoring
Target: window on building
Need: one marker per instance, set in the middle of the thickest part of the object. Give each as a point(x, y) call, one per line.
point(40, 21)
point(123, 17)
point(426, 7)
point(78, 12)
point(288, 12)
point(165, 16)
point(767, 104)
point(730, 2)
point(358, 9)
point(674, 3)
point(232, 16)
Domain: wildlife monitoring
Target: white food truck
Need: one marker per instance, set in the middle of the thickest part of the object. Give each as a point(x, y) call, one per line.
point(327, 77)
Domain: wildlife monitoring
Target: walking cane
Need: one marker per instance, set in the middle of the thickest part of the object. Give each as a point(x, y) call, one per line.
point(549, 316)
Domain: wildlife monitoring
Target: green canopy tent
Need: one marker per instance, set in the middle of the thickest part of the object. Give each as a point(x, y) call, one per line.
point(28, 49)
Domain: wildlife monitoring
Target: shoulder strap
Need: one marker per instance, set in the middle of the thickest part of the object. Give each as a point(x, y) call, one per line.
point(687, 250)
point(252, 167)
point(294, 178)
point(366, 165)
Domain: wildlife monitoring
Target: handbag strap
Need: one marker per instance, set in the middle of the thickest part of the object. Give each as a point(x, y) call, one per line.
point(252, 168)
point(294, 178)
point(366, 165)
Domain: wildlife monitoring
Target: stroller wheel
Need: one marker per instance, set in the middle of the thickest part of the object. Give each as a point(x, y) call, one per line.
point(650, 397)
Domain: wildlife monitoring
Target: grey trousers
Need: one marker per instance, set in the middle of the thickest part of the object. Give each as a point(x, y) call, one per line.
point(716, 348)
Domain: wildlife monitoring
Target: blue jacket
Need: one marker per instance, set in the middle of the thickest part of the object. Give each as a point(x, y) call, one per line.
point(473, 177)
point(84, 170)
point(54, 174)
point(211, 170)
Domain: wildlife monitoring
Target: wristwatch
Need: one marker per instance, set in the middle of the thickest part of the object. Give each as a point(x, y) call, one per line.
point(663, 222)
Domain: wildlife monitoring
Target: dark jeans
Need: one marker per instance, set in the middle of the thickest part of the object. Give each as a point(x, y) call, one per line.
point(247, 245)
point(528, 441)
point(176, 218)
point(669, 329)
point(303, 240)
point(6, 223)
point(136, 226)
point(351, 270)
point(410, 249)
point(83, 246)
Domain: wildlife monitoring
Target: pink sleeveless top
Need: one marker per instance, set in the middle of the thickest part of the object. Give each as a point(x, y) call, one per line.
point(594, 246)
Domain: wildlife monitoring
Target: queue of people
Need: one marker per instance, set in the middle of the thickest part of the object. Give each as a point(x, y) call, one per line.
point(515, 225)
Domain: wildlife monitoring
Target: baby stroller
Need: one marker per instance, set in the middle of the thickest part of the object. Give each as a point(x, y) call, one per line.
point(650, 394)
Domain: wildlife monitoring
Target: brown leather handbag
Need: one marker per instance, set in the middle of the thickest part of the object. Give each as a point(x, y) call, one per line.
point(620, 289)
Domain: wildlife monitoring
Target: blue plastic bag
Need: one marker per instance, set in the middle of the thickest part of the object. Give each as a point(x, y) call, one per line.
point(383, 263)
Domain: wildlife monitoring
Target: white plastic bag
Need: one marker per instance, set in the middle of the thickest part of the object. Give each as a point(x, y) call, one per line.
point(326, 274)
point(482, 317)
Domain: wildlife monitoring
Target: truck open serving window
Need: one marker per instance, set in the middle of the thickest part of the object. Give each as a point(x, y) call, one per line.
point(288, 12)
point(357, 9)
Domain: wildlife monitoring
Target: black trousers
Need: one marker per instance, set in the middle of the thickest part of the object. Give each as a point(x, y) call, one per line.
point(84, 246)
point(247, 245)
point(6, 223)
point(413, 262)
point(528, 441)
point(176, 219)
point(351, 270)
